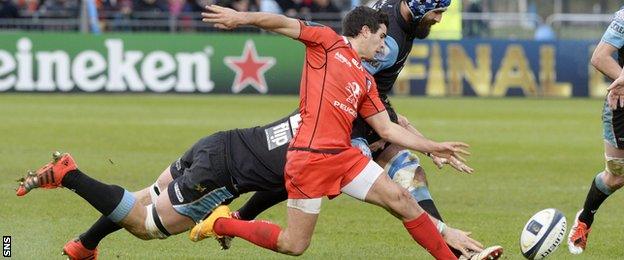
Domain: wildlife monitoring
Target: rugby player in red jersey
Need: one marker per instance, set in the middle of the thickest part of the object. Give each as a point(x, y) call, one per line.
point(334, 90)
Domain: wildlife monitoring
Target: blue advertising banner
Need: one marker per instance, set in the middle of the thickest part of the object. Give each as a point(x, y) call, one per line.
point(497, 68)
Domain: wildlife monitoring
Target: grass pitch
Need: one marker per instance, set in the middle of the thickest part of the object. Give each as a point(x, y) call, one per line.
point(528, 154)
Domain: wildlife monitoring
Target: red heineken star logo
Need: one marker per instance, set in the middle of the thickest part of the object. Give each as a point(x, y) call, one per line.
point(249, 68)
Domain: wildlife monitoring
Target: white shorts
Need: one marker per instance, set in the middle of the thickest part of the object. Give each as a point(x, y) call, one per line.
point(362, 183)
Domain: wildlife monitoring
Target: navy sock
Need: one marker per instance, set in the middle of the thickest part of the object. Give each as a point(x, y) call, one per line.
point(259, 202)
point(100, 229)
point(102, 197)
point(430, 208)
point(595, 198)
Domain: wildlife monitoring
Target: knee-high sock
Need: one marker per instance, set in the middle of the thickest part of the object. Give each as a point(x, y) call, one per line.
point(259, 202)
point(110, 200)
point(261, 233)
point(422, 195)
point(100, 229)
point(596, 195)
point(426, 234)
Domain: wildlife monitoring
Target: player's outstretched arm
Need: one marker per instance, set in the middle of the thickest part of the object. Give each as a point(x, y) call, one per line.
point(227, 18)
point(456, 163)
point(396, 134)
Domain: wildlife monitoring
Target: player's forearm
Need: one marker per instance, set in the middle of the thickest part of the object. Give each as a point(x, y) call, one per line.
point(396, 134)
point(273, 22)
point(603, 61)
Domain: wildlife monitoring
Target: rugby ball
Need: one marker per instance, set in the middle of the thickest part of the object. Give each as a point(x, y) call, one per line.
point(543, 233)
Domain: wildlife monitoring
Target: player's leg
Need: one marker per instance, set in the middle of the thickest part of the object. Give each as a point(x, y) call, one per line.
point(85, 244)
point(372, 186)
point(294, 239)
point(259, 202)
point(603, 185)
point(605, 182)
point(404, 168)
point(114, 202)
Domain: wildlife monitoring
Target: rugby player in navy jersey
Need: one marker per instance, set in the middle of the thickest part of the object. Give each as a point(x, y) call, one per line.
point(214, 171)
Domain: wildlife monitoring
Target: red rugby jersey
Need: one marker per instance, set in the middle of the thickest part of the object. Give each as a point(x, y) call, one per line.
point(334, 90)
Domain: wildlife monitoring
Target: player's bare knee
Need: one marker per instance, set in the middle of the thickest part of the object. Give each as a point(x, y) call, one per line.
point(297, 248)
point(613, 181)
point(401, 202)
point(139, 231)
point(420, 176)
point(152, 227)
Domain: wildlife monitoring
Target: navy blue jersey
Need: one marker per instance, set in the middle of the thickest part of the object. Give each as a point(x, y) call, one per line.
point(257, 155)
point(401, 34)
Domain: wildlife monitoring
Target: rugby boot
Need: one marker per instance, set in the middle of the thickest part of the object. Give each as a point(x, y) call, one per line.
point(204, 228)
point(577, 239)
point(74, 250)
point(490, 253)
point(226, 241)
point(49, 176)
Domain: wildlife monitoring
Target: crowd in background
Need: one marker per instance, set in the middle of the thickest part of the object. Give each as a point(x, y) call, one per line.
point(142, 8)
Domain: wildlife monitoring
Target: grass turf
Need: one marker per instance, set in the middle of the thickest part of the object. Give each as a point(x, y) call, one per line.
point(529, 154)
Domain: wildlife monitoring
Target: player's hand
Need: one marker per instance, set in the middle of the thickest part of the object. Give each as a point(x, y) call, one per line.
point(222, 17)
point(377, 145)
point(615, 97)
point(449, 150)
point(461, 241)
point(453, 162)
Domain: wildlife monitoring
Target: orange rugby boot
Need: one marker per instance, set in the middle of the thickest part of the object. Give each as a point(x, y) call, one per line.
point(74, 250)
point(49, 176)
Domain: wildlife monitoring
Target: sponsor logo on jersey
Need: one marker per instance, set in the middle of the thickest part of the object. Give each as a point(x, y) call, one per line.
point(357, 64)
point(178, 193)
point(295, 121)
point(278, 135)
point(178, 165)
point(354, 90)
point(345, 108)
point(342, 58)
point(617, 27)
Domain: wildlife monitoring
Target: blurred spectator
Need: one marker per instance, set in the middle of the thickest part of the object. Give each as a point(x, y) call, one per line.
point(110, 7)
point(29, 7)
point(118, 11)
point(150, 6)
point(59, 8)
point(239, 5)
point(195, 6)
point(475, 28)
point(8, 9)
point(324, 6)
point(545, 33)
point(288, 7)
point(269, 6)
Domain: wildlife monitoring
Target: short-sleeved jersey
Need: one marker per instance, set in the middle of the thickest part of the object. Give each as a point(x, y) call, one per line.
point(334, 90)
point(256, 156)
point(614, 35)
point(401, 34)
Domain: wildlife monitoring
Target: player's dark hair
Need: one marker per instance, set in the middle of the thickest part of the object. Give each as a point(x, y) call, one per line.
point(360, 16)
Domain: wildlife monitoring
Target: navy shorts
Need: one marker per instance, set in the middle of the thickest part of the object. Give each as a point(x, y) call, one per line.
point(613, 126)
point(201, 180)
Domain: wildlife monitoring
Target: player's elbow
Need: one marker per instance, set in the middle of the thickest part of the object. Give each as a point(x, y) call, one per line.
point(596, 60)
point(384, 132)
